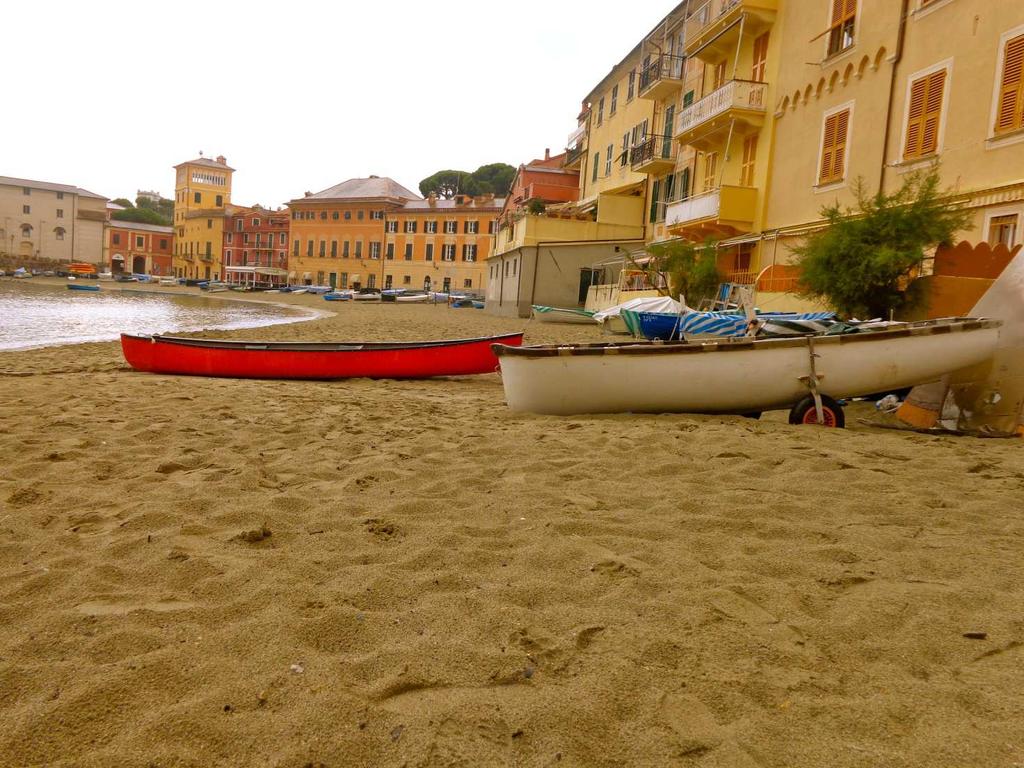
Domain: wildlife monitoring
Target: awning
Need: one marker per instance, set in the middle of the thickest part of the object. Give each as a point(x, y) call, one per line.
point(117, 257)
point(740, 240)
point(272, 271)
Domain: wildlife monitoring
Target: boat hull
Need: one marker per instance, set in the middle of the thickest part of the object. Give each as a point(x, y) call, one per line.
point(78, 287)
point(735, 376)
point(295, 360)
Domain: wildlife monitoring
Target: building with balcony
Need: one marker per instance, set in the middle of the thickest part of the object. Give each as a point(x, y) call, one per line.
point(722, 124)
point(40, 220)
point(539, 183)
point(256, 243)
point(202, 193)
point(134, 247)
point(892, 94)
point(375, 233)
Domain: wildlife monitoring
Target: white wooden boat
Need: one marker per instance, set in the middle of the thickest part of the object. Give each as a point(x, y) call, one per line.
point(368, 296)
point(412, 298)
point(737, 376)
point(563, 315)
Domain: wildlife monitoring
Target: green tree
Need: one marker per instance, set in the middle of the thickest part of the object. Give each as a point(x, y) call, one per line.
point(689, 269)
point(495, 178)
point(445, 184)
point(162, 206)
point(123, 201)
point(863, 264)
point(141, 215)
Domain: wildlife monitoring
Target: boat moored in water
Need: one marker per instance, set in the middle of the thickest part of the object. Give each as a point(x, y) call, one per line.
point(82, 287)
point(305, 360)
point(738, 375)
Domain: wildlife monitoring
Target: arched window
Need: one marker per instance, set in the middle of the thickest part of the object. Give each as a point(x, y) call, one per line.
point(59, 232)
point(26, 230)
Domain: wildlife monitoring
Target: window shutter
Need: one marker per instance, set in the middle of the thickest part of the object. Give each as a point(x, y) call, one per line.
point(924, 114)
point(1011, 94)
point(826, 149)
point(749, 156)
point(839, 148)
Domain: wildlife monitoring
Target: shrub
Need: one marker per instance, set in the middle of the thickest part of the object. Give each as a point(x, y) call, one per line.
point(863, 264)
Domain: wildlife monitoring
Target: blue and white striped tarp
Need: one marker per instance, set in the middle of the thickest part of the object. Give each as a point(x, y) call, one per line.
point(667, 326)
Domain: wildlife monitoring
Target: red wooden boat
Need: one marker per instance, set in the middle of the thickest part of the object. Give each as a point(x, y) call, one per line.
point(304, 360)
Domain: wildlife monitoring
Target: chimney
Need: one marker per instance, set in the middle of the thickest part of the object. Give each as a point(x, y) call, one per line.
point(308, 194)
point(222, 160)
point(432, 200)
point(547, 153)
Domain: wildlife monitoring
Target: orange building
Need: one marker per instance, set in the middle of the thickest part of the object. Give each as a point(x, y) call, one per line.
point(255, 246)
point(541, 182)
point(375, 233)
point(140, 248)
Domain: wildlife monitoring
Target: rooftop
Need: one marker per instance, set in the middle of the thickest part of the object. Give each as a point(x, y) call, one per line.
point(372, 188)
point(10, 181)
point(208, 163)
point(494, 203)
point(141, 227)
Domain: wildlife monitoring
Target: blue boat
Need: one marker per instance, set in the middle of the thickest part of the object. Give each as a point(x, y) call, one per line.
point(670, 326)
point(77, 287)
point(338, 296)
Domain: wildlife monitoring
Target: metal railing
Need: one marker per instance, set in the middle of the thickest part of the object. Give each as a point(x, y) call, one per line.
point(654, 148)
point(663, 67)
point(572, 154)
point(706, 15)
point(703, 206)
point(736, 94)
point(576, 136)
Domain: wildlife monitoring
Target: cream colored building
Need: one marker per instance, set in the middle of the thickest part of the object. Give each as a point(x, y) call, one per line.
point(880, 95)
point(41, 220)
point(202, 192)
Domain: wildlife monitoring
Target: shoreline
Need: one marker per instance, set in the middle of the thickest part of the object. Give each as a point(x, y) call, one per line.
point(314, 313)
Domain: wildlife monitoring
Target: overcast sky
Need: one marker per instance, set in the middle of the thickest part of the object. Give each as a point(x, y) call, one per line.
point(298, 95)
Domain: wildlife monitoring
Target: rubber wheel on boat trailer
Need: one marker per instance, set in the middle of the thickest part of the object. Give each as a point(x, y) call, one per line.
point(805, 413)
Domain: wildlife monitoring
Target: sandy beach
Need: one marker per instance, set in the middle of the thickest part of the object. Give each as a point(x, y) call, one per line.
point(206, 572)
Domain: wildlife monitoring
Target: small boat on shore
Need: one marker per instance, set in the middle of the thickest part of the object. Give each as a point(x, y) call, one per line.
point(366, 294)
point(544, 314)
point(739, 375)
point(412, 298)
point(305, 360)
point(338, 296)
point(81, 287)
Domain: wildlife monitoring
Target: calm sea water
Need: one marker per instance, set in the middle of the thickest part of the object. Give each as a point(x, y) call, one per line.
point(42, 316)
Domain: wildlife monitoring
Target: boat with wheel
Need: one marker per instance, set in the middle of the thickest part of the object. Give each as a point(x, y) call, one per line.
point(306, 360)
point(742, 376)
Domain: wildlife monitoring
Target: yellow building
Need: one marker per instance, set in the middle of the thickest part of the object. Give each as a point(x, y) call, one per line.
point(375, 233)
point(887, 94)
point(738, 120)
point(710, 68)
point(202, 191)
